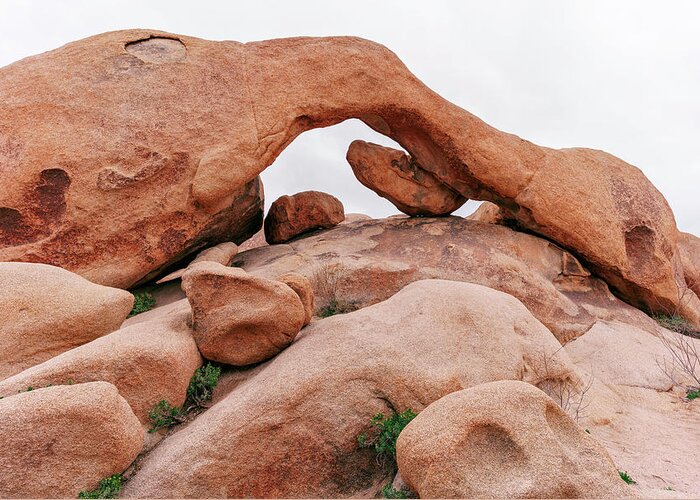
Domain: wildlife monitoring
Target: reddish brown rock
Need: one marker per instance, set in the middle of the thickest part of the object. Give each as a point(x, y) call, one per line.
point(147, 362)
point(290, 216)
point(504, 439)
point(46, 310)
point(303, 288)
point(238, 318)
point(223, 253)
point(290, 430)
point(689, 246)
point(59, 441)
point(394, 175)
point(228, 111)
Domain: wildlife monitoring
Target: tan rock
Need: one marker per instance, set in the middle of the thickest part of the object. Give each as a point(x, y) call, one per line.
point(59, 441)
point(47, 310)
point(290, 429)
point(239, 318)
point(303, 288)
point(689, 246)
point(290, 216)
point(223, 254)
point(147, 362)
point(505, 439)
point(394, 175)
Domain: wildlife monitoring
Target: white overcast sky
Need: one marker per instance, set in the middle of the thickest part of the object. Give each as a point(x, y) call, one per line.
point(622, 76)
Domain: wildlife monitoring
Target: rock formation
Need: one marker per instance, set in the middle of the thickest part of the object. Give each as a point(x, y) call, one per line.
point(239, 318)
point(393, 175)
point(689, 246)
point(290, 430)
point(504, 439)
point(58, 441)
point(303, 288)
point(147, 362)
point(290, 216)
point(47, 310)
point(223, 254)
point(236, 107)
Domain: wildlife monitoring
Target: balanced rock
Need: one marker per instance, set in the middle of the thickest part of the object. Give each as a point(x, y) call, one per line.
point(290, 430)
point(47, 310)
point(58, 441)
point(238, 318)
point(147, 362)
point(290, 216)
point(394, 175)
point(223, 254)
point(303, 288)
point(505, 439)
point(150, 194)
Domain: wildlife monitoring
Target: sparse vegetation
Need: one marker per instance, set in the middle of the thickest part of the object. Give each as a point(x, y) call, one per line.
point(199, 393)
point(388, 491)
point(326, 282)
point(678, 324)
point(693, 394)
point(567, 393)
point(143, 301)
point(388, 430)
point(682, 366)
point(626, 477)
point(108, 488)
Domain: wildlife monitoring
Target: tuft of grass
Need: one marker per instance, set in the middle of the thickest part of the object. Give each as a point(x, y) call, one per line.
point(109, 487)
point(388, 491)
point(202, 385)
point(693, 394)
point(336, 307)
point(384, 443)
point(143, 301)
point(677, 324)
point(199, 392)
point(626, 477)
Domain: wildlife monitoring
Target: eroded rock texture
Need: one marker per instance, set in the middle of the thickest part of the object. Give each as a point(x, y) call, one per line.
point(126, 150)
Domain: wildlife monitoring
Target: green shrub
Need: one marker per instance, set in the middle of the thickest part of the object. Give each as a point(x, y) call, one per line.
point(390, 492)
point(693, 394)
point(164, 415)
point(108, 488)
point(677, 324)
point(336, 307)
point(202, 385)
point(384, 443)
point(143, 301)
point(626, 478)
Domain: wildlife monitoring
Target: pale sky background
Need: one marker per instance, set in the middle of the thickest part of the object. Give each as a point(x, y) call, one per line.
point(621, 76)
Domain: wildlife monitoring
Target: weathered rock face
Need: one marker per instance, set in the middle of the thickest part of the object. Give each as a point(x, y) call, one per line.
point(290, 216)
point(47, 310)
point(291, 429)
point(505, 439)
point(147, 362)
point(239, 318)
point(223, 254)
point(689, 246)
point(364, 262)
point(393, 175)
point(236, 107)
point(59, 441)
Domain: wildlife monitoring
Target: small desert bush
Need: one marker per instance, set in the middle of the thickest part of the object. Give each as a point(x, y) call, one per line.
point(626, 477)
point(677, 324)
point(326, 281)
point(143, 301)
point(108, 488)
point(388, 491)
point(387, 432)
point(199, 393)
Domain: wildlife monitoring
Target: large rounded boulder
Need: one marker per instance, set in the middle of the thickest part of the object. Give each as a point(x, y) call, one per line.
point(290, 216)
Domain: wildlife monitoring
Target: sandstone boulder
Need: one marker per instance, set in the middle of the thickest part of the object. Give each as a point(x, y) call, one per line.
point(504, 439)
point(290, 429)
point(290, 216)
point(47, 310)
point(238, 318)
point(364, 262)
point(223, 254)
point(303, 288)
point(59, 441)
point(689, 246)
point(394, 175)
point(147, 362)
